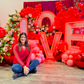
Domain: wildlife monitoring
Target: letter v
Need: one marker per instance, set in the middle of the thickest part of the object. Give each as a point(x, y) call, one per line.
point(48, 52)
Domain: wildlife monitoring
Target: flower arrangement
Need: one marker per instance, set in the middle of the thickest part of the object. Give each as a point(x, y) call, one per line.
point(10, 39)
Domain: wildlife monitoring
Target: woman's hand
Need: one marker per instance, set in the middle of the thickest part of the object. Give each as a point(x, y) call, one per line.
point(26, 70)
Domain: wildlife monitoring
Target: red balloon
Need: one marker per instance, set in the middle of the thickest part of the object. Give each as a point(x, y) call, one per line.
point(57, 54)
point(2, 32)
point(80, 64)
point(9, 59)
point(39, 5)
point(79, 60)
point(82, 48)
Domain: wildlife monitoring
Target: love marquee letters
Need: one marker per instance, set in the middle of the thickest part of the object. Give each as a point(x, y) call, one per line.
point(68, 36)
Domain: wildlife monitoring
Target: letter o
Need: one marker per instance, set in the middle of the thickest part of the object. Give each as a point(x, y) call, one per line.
point(44, 14)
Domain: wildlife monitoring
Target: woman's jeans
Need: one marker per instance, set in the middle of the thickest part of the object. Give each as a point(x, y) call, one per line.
point(17, 68)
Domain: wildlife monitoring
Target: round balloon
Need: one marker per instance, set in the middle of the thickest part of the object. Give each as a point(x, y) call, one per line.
point(2, 32)
point(42, 59)
point(70, 57)
point(39, 59)
point(35, 50)
point(65, 57)
point(70, 62)
point(9, 59)
point(79, 60)
point(32, 56)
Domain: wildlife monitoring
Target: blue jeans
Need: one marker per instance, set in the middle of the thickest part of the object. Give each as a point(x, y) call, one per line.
point(17, 68)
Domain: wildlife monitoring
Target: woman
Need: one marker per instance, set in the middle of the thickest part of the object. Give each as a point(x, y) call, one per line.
point(22, 64)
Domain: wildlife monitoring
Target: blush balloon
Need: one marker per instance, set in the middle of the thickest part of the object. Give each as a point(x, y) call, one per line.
point(32, 56)
point(65, 57)
point(32, 44)
point(35, 50)
point(70, 57)
point(39, 59)
point(70, 63)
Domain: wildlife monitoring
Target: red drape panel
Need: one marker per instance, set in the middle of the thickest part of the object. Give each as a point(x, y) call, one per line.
point(31, 4)
point(48, 6)
point(66, 3)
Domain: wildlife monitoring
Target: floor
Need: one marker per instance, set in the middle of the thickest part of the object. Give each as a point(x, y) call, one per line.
point(49, 72)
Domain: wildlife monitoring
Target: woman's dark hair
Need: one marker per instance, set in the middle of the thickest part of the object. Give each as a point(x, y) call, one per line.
point(26, 42)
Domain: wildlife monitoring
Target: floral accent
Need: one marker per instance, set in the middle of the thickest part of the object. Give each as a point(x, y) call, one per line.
point(11, 37)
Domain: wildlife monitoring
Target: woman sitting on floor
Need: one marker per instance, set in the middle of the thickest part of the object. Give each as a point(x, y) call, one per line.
point(22, 65)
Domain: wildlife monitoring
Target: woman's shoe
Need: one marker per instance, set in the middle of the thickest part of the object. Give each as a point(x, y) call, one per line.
point(33, 71)
point(16, 75)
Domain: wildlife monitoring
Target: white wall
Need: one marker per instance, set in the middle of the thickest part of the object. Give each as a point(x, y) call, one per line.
point(9, 6)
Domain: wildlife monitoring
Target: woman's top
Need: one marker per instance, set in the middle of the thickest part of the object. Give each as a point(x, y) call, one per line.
point(22, 56)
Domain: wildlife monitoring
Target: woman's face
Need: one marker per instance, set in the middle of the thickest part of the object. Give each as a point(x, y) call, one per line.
point(23, 39)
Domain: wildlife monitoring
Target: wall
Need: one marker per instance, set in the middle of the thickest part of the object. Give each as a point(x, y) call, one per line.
point(9, 6)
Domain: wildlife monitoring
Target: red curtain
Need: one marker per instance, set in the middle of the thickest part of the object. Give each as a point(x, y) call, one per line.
point(31, 4)
point(66, 3)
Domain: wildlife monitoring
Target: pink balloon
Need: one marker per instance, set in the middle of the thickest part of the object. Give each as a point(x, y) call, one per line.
point(38, 54)
point(40, 51)
point(33, 41)
point(65, 57)
point(42, 59)
point(42, 55)
point(35, 50)
point(39, 59)
point(36, 41)
point(70, 57)
point(68, 52)
point(70, 63)
point(32, 56)
point(32, 45)
point(63, 61)
point(72, 52)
